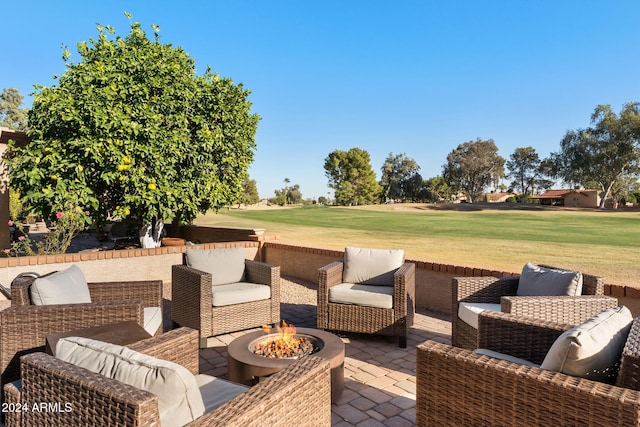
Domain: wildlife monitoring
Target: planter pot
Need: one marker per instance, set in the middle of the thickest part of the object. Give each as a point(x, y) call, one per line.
point(172, 241)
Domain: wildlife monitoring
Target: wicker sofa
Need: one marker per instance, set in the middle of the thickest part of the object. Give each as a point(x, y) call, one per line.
point(301, 392)
point(192, 296)
point(502, 290)
point(394, 321)
point(457, 386)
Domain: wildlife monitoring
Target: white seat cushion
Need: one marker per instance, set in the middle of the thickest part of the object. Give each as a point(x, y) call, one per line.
point(592, 349)
point(62, 287)
point(179, 398)
point(152, 319)
point(469, 312)
point(226, 265)
point(503, 356)
point(365, 295)
point(371, 266)
point(536, 280)
point(215, 391)
point(237, 293)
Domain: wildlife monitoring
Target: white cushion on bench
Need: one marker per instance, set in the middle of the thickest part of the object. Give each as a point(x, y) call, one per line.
point(469, 312)
point(365, 295)
point(536, 280)
point(226, 265)
point(152, 319)
point(215, 391)
point(593, 348)
point(371, 266)
point(237, 293)
point(62, 287)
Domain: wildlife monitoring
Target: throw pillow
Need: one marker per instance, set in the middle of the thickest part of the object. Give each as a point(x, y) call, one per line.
point(226, 265)
point(179, 398)
point(592, 349)
point(536, 280)
point(62, 287)
point(371, 266)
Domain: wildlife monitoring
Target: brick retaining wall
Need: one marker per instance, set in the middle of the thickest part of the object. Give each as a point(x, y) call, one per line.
point(433, 280)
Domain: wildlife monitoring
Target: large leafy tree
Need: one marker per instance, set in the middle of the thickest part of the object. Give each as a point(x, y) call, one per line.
point(250, 194)
point(604, 152)
point(352, 178)
point(400, 178)
point(524, 170)
point(473, 166)
point(132, 131)
point(437, 189)
point(11, 115)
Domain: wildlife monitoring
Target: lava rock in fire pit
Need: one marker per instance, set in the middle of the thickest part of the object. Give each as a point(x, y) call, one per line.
point(278, 348)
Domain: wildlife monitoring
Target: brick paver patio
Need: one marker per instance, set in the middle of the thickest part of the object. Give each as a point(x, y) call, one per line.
point(380, 381)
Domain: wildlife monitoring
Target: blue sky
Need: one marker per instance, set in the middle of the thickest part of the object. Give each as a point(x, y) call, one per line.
point(414, 77)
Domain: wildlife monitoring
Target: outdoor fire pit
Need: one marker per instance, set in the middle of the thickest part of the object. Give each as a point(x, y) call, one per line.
point(247, 367)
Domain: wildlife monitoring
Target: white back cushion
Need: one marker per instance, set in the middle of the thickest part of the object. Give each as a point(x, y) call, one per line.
point(592, 349)
point(536, 280)
point(371, 266)
point(226, 265)
point(62, 287)
point(179, 398)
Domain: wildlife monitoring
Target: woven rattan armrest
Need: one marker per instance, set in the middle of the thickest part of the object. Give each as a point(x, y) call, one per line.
point(404, 287)
point(300, 394)
point(262, 273)
point(629, 374)
point(501, 393)
point(191, 296)
point(178, 345)
point(564, 309)
point(94, 399)
point(148, 291)
point(485, 289)
point(12, 393)
point(330, 275)
point(523, 337)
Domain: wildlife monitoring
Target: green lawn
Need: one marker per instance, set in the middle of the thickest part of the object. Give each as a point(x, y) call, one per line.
point(490, 238)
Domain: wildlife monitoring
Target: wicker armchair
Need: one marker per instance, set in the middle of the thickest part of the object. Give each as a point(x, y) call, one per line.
point(493, 290)
point(459, 387)
point(191, 301)
point(394, 321)
point(301, 393)
point(149, 292)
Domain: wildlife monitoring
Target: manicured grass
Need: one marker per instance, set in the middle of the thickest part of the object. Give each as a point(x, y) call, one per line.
point(491, 238)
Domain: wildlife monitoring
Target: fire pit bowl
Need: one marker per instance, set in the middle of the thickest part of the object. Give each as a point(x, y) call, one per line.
point(246, 367)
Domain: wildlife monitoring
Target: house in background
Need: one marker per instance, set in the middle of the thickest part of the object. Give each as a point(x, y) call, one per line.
point(570, 198)
point(499, 197)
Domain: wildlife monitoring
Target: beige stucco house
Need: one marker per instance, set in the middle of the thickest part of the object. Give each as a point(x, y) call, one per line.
point(570, 198)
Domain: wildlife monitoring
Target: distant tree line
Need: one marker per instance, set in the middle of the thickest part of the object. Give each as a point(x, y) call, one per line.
point(605, 156)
